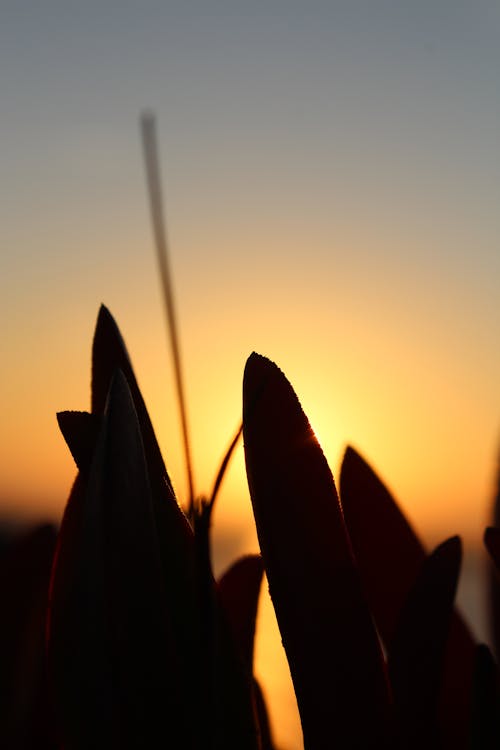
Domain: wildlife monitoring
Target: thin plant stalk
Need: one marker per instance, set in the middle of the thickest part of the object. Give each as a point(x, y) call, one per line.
point(224, 465)
point(151, 161)
point(203, 514)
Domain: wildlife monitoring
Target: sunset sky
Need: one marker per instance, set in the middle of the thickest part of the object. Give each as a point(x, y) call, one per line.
point(332, 184)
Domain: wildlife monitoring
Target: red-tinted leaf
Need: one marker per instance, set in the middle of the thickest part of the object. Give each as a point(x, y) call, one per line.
point(239, 590)
point(231, 719)
point(327, 632)
point(417, 651)
point(390, 556)
point(386, 548)
point(227, 709)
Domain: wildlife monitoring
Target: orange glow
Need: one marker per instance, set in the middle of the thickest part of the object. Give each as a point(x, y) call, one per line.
point(391, 394)
point(429, 434)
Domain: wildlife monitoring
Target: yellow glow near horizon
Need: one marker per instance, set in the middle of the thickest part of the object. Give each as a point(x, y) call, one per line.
point(415, 432)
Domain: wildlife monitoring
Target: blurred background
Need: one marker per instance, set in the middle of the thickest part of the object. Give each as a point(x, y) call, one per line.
point(332, 179)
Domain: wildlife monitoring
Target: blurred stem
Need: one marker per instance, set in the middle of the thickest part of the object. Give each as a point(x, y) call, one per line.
point(151, 160)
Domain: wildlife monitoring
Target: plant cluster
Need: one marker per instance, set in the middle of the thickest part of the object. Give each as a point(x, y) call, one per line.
point(115, 634)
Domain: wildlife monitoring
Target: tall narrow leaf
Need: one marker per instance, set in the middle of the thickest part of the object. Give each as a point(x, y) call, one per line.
point(239, 589)
point(114, 660)
point(109, 354)
point(211, 682)
point(78, 646)
point(390, 555)
point(327, 632)
point(227, 710)
point(417, 651)
point(494, 572)
point(175, 537)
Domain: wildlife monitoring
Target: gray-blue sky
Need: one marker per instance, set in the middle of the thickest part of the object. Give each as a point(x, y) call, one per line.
point(362, 97)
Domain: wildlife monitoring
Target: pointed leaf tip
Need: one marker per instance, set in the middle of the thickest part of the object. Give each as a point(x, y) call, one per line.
point(109, 353)
point(266, 389)
point(259, 367)
point(417, 652)
point(80, 431)
point(105, 317)
point(387, 549)
point(385, 546)
point(326, 628)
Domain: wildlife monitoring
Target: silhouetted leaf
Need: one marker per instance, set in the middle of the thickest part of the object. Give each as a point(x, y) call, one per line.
point(109, 354)
point(416, 655)
point(230, 699)
point(115, 662)
point(223, 467)
point(239, 590)
point(485, 719)
point(80, 660)
point(386, 548)
point(175, 537)
point(492, 542)
point(146, 651)
point(327, 632)
point(227, 709)
point(494, 573)
point(80, 431)
point(390, 556)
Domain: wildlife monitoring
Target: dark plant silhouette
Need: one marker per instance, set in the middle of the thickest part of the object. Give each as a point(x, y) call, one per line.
point(144, 648)
point(133, 644)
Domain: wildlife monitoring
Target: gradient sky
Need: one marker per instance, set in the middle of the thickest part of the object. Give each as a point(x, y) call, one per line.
point(332, 181)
